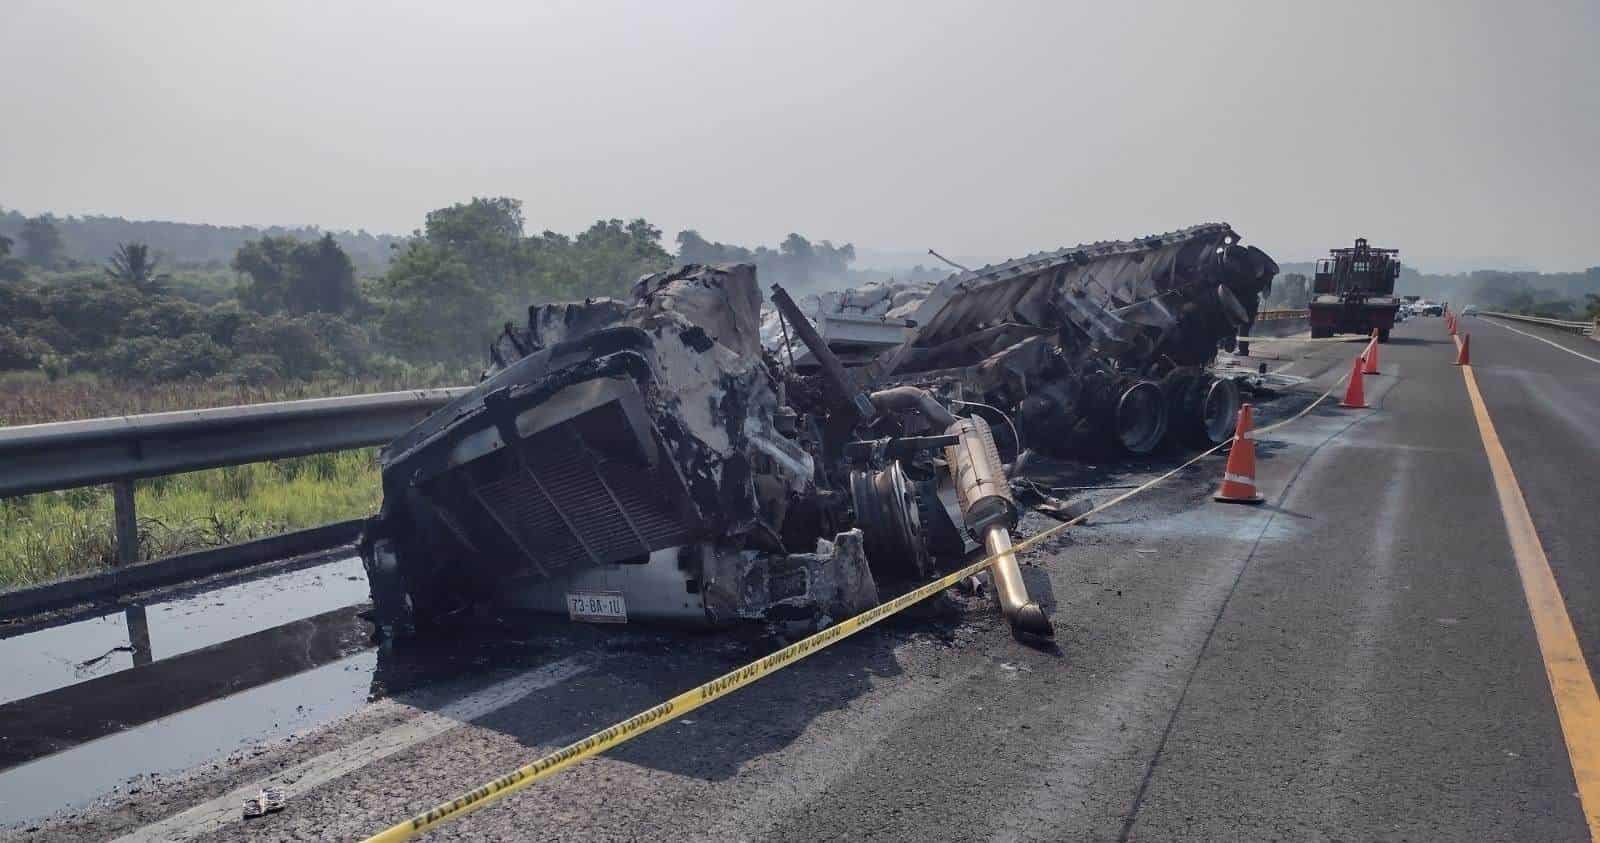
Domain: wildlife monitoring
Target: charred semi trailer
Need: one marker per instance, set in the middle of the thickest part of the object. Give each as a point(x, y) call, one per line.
point(627, 460)
point(1105, 344)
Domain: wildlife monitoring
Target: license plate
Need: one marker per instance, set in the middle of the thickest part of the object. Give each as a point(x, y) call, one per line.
point(597, 607)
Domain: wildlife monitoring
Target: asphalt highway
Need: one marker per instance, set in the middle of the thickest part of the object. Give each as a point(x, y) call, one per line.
point(1355, 659)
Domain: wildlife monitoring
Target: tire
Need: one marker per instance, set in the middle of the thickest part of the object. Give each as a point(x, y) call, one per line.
point(1139, 419)
point(1208, 413)
point(1320, 333)
point(1383, 335)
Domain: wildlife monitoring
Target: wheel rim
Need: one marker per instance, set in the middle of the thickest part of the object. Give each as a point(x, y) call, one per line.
point(1219, 410)
point(1141, 418)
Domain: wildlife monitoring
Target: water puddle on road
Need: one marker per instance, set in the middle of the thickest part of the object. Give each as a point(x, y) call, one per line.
point(72, 778)
point(111, 704)
point(168, 684)
point(59, 656)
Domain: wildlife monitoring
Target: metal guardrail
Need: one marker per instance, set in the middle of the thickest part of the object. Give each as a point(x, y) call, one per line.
point(1589, 329)
point(64, 455)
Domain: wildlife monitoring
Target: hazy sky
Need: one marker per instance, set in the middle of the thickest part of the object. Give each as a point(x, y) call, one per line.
point(1443, 128)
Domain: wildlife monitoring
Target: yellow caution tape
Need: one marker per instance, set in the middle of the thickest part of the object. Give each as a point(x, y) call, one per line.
point(682, 704)
point(727, 683)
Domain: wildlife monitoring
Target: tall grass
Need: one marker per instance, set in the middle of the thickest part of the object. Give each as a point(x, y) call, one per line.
point(48, 536)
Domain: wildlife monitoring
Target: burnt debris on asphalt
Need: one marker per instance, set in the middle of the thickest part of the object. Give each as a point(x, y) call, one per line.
point(686, 457)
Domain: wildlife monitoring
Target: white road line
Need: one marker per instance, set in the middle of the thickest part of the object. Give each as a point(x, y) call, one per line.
point(314, 772)
point(1543, 340)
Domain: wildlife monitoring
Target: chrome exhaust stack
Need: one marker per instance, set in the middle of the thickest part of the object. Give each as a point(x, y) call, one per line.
point(990, 512)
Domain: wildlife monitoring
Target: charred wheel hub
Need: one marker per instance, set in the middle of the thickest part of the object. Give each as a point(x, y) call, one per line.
point(885, 504)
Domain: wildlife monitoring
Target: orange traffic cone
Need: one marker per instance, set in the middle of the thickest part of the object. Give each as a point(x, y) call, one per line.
point(1371, 356)
point(1355, 398)
point(1239, 477)
point(1452, 323)
point(1463, 356)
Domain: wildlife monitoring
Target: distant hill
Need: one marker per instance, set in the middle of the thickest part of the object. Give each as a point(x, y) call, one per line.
point(92, 239)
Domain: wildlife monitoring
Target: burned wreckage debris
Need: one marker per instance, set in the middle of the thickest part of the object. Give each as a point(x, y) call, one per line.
point(1107, 343)
point(650, 459)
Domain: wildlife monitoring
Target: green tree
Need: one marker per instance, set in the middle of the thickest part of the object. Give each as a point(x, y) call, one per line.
point(41, 241)
point(325, 277)
point(92, 312)
point(156, 359)
point(797, 261)
point(11, 269)
point(468, 225)
point(133, 264)
point(692, 248)
point(223, 321)
point(434, 305)
point(291, 340)
point(487, 235)
point(611, 255)
point(293, 276)
point(268, 263)
point(19, 351)
point(163, 316)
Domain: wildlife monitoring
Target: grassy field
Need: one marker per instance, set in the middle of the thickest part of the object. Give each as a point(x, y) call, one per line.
point(57, 534)
point(32, 398)
point(48, 536)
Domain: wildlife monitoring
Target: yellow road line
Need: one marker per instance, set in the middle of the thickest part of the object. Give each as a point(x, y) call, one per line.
point(1577, 704)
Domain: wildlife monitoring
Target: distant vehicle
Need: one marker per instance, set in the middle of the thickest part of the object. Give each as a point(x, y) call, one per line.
point(1432, 309)
point(1469, 310)
point(1353, 292)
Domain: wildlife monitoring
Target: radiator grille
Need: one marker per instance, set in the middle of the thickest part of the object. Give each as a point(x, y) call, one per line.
point(566, 503)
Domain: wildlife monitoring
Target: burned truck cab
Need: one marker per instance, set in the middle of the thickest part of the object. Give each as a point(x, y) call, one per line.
point(619, 462)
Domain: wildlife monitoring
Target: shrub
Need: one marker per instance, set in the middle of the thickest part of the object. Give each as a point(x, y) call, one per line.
point(222, 322)
point(256, 369)
point(158, 359)
point(163, 317)
point(21, 352)
point(292, 340)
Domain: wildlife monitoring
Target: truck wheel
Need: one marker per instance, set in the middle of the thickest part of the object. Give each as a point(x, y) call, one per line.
point(1383, 335)
point(1320, 333)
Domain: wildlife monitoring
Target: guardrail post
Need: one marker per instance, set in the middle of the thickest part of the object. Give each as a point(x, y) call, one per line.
point(127, 523)
point(138, 635)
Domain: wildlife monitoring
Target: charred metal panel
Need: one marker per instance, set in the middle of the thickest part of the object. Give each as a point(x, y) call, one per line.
point(1108, 291)
point(1075, 343)
point(835, 579)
